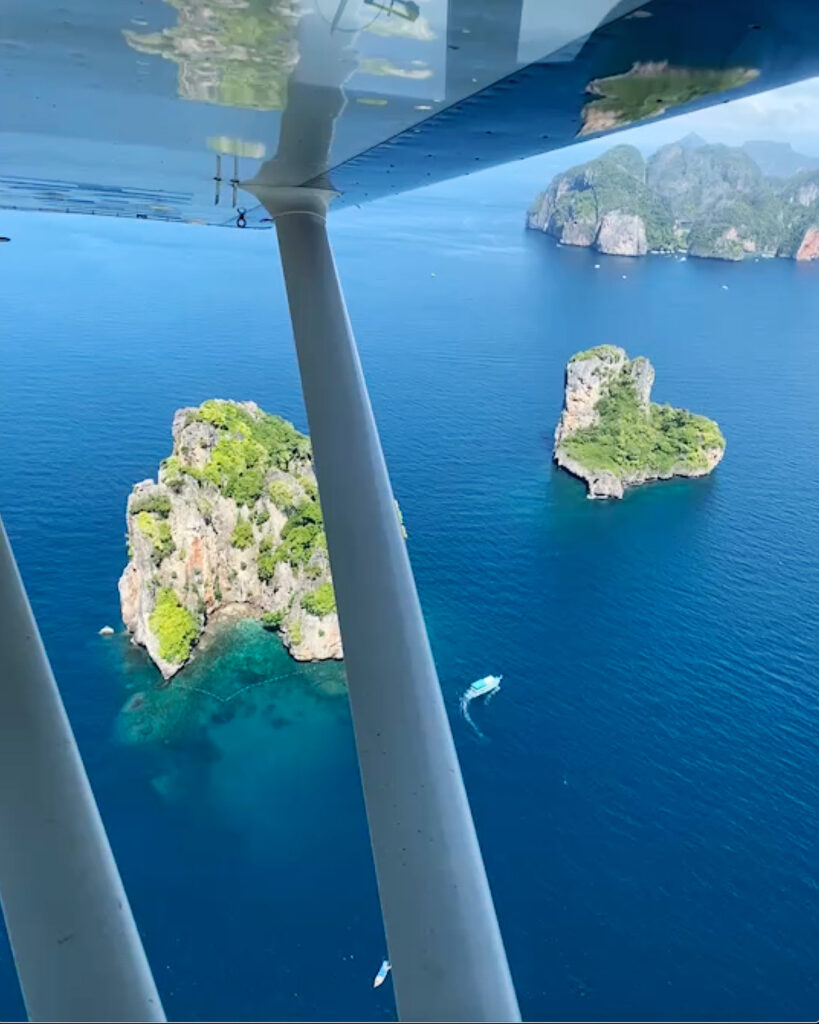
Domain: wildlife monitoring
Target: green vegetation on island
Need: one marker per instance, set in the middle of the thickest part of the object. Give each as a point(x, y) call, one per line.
point(174, 626)
point(282, 495)
point(158, 531)
point(302, 536)
point(321, 601)
point(689, 197)
point(272, 620)
point(159, 503)
point(628, 438)
point(242, 536)
point(598, 352)
point(247, 447)
point(613, 436)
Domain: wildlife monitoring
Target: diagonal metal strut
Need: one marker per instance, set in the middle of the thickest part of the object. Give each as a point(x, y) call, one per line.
point(76, 948)
point(447, 955)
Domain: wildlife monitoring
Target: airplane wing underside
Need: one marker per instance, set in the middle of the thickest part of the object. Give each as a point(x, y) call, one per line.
point(163, 110)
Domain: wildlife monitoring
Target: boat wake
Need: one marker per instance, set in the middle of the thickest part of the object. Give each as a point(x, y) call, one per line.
point(468, 717)
point(486, 688)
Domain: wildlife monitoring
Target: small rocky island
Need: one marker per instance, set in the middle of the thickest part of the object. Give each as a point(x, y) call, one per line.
point(231, 527)
point(613, 436)
point(714, 201)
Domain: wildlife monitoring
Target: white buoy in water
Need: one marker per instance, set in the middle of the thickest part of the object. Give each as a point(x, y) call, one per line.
point(106, 631)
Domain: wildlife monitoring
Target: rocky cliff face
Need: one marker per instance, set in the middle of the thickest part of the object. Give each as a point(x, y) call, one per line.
point(604, 204)
point(613, 436)
point(589, 379)
point(706, 200)
point(622, 234)
point(232, 523)
point(809, 246)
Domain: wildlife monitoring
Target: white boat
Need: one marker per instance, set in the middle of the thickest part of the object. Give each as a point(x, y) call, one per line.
point(480, 688)
point(483, 687)
point(381, 977)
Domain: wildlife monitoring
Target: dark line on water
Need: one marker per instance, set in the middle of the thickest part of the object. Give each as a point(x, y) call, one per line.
point(230, 697)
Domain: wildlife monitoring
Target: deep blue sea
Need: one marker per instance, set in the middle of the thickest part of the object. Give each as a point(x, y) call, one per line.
point(646, 797)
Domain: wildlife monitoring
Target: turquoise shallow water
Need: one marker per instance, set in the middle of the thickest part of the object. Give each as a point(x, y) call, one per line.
point(646, 797)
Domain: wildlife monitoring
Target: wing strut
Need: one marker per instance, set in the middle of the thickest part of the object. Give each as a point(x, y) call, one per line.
point(444, 942)
point(76, 948)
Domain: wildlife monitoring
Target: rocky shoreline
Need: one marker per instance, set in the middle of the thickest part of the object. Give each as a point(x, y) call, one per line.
point(605, 484)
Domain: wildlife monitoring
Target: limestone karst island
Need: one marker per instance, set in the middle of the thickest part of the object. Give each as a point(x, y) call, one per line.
point(730, 203)
point(231, 527)
point(613, 436)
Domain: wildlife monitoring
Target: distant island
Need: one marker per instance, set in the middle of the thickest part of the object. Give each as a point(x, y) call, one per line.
point(613, 436)
point(231, 527)
point(713, 201)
